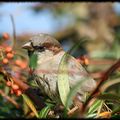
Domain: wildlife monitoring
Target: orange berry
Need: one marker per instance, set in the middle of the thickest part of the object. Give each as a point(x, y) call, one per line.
point(8, 83)
point(5, 61)
point(86, 61)
point(105, 114)
point(10, 55)
point(1, 47)
point(6, 36)
point(18, 62)
point(18, 92)
point(15, 87)
point(23, 65)
point(78, 59)
point(8, 49)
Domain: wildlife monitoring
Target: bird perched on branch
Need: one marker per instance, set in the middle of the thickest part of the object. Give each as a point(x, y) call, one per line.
point(50, 52)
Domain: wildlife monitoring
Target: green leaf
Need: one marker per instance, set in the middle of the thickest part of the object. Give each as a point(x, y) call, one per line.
point(43, 113)
point(117, 109)
point(63, 81)
point(109, 96)
point(91, 115)
point(30, 104)
point(33, 61)
point(1, 77)
point(95, 106)
point(116, 117)
point(72, 92)
point(25, 108)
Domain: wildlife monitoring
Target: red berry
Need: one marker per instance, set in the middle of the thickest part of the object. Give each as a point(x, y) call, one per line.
point(18, 92)
point(18, 62)
point(8, 83)
point(23, 65)
point(15, 87)
point(86, 61)
point(10, 55)
point(8, 49)
point(6, 36)
point(5, 61)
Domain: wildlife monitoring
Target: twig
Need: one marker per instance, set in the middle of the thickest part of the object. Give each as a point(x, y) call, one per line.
point(31, 93)
point(21, 84)
point(98, 61)
point(72, 110)
point(104, 77)
point(109, 83)
point(9, 99)
point(14, 31)
point(26, 89)
point(103, 61)
point(97, 75)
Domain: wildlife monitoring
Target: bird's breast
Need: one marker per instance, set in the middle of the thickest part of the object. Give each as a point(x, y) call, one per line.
point(46, 73)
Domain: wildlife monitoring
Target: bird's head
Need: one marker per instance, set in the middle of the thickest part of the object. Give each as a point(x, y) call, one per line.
point(42, 43)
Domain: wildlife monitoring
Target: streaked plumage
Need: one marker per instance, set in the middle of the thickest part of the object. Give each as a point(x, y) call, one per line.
point(49, 53)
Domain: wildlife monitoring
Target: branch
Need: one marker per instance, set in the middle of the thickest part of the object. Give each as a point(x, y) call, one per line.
point(103, 61)
point(30, 92)
point(97, 75)
point(9, 99)
point(14, 31)
point(104, 77)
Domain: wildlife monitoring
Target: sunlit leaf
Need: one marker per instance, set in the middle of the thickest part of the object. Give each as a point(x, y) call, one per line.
point(25, 108)
point(30, 104)
point(63, 81)
point(73, 92)
point(91, 115)
point(44, 112)
point(95, 106)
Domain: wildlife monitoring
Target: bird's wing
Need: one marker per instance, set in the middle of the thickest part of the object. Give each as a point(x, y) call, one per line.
point(77, 73)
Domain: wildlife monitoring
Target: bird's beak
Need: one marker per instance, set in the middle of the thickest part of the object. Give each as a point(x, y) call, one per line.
point(27, 46)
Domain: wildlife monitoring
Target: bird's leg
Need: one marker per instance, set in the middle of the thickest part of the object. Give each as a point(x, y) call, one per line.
point(58, 110)
point(77, 105)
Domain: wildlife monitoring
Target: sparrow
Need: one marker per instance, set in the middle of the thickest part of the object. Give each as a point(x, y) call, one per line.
point(50, 52)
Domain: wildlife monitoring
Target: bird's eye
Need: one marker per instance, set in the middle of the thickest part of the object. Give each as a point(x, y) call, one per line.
point(30, 53)
point(39, 48)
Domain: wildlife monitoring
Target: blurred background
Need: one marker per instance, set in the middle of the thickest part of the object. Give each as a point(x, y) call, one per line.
point(68, 22)
point(94, 26)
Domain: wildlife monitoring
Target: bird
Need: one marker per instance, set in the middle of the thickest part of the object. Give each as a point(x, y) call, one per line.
point(49, 53)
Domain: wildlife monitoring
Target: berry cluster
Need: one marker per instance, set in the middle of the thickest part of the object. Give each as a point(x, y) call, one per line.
point(9, 55)
point(14, 88)
point(9, 60)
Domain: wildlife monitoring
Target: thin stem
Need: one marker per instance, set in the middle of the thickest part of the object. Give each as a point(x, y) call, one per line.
point(9, 99)
point(104, 77)
point(14, 31)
